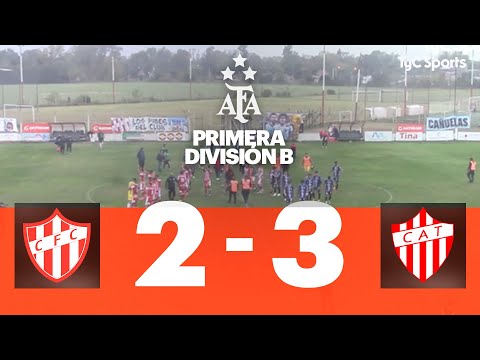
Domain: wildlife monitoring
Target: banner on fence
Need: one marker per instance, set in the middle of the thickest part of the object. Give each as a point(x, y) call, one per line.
point(150, 124)
point(447, 135)
point(156, 136)
point(36, 128)
point(105, 128)
point(8, 125)
point(448, 122)
point(468, 136)
point(409, 136)
point(378, 136)
point(415, 128)
point(38, 137)
point(12, 136)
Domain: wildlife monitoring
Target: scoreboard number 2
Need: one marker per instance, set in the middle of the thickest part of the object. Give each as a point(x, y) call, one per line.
point(167, 269)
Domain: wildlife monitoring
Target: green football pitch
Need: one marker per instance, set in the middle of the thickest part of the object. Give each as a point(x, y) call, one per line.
point(373, 173)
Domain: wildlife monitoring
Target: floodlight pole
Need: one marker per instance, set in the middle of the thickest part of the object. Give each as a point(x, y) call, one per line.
point(356, 97)
point(21, 75)
point(405, 87)
point(471, 76)
point(323, 88)
point(455, 92)
point(190, 71)
point(113, 79)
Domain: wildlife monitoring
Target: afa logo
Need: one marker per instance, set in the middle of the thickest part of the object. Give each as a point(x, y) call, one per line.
point(423, 245)
point(57, 245)
point(241, 92)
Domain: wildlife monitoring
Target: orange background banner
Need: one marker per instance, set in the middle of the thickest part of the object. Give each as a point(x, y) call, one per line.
point(237, 283)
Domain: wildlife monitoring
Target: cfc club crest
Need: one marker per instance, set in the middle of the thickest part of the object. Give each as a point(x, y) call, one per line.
point(57, 246)
point(423, 244)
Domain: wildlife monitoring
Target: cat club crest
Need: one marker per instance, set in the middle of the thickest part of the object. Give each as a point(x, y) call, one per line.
point(423, 244)
point(56, 245)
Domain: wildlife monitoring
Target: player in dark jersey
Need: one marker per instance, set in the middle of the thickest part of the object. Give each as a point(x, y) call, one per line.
point(317, 186)
point(302, 191)
point(271, 177)
point(336, 170)
point(329, 185)
point(277, 182)
point(285, 180)
point(289, 192)
point(171, 184)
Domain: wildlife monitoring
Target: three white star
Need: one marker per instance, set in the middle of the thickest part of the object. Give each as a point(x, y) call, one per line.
point(239, 60)
point(228, 74)
point(249, 74)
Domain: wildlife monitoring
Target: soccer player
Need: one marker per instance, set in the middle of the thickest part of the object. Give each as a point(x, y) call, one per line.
point(285, 180)
point(171, 184)
point(336, 170)
point(302, 191)
point(277, 182)
point(157, 188)
point(472, 165)
point(132, 194)
point(289, 192)
point(207, 180)
point(307, 163)
point(149, 191)
point(271, 177)
point(141, 175)
point(259, 179)
point(182, 185)
point(329, 185)
point(317, 185)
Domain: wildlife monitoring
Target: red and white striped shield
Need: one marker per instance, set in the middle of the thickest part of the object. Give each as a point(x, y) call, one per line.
point(57, 246)
point(423, 244)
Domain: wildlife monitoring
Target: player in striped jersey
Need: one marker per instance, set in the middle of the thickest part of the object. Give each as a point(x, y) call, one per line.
point(309, 181)
point(302, 191)
point(207, 180)
point(182, 185)
point(317, 186)
point(271, 176)
point(329, 185)
point(289, 192)
point(284, 184)
point(277, 182)
point(157, 188)
point(336, 170)
point(149, 191)
point(259, 179)
point(141, 182)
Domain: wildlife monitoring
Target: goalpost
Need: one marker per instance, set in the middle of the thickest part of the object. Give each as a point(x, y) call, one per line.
point(19, 108)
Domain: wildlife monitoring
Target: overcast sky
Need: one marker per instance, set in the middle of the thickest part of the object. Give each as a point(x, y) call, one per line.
point(413, 51)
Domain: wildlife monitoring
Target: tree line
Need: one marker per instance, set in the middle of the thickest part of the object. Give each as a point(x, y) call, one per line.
point(93, 63)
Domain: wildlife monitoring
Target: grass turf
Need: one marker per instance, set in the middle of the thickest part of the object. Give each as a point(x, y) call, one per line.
point(372, 173)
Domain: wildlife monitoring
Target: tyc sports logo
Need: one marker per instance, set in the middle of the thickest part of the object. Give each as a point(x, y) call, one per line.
point(57, 245)
point(423, 245)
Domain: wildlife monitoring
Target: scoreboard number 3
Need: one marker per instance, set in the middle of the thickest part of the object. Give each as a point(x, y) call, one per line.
point(167, 269)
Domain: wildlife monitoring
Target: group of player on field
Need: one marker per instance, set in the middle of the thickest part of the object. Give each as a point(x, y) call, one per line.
point(149, 184)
